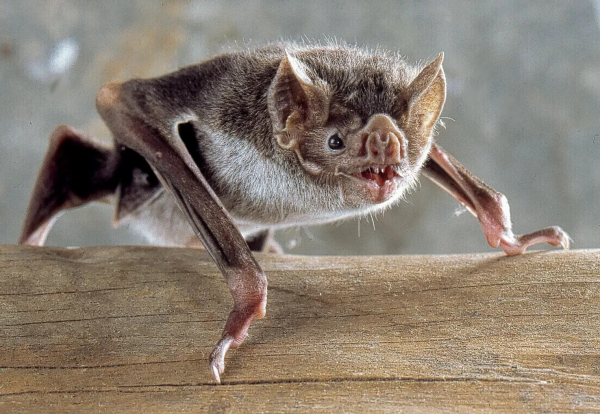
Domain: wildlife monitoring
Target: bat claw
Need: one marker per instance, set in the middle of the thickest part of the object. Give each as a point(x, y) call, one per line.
point(565, 239)
point(217, 357)
point(216, 374)
point(249, 307)
point(554, 236)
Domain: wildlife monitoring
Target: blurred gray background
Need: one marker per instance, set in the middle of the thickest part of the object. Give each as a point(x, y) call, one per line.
point(523, 83)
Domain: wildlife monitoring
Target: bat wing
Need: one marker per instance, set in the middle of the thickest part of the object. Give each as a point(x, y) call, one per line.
point(77, 170)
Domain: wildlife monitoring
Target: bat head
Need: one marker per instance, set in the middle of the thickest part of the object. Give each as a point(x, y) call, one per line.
point(359, 122)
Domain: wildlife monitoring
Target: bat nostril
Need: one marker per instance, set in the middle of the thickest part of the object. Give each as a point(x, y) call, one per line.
point(374, 145)
point(382, 142)
point(394, 146)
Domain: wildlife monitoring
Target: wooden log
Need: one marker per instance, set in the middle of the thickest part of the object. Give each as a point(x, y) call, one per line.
point(129, 329)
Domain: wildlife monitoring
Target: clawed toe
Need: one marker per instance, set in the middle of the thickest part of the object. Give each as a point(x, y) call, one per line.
point(554, 236)
point(217, 357)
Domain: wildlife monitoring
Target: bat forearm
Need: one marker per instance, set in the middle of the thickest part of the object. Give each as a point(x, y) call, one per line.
point(176, 169)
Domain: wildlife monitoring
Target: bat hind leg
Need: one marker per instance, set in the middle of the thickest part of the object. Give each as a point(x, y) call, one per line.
point(75, 171)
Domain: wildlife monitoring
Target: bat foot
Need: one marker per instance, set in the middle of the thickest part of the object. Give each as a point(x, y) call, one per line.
point(517, 244)
point(217, 357)
point(236, 330)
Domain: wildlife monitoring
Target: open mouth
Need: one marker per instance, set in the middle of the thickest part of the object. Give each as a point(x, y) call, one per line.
point(378, 175)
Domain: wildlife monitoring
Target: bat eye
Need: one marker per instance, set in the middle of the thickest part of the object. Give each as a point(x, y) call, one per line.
point(336, 142)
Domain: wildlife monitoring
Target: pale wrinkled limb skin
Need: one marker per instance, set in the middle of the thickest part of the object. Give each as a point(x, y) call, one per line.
point(488, 205)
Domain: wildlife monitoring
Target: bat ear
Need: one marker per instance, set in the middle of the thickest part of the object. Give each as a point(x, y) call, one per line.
point(295, 102)
point(427, 94)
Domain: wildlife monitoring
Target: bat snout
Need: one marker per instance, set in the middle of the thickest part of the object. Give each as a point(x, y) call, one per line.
point(382, 142)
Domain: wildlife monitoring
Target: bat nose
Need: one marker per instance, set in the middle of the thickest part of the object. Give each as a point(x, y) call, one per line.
point(383, 143)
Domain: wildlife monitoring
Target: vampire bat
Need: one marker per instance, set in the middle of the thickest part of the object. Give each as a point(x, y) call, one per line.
point(228, 150)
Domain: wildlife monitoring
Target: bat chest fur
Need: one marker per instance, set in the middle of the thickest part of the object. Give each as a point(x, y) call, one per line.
point(260, 191)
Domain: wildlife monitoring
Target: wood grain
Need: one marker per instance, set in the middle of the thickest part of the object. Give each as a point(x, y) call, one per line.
point(129, 329)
